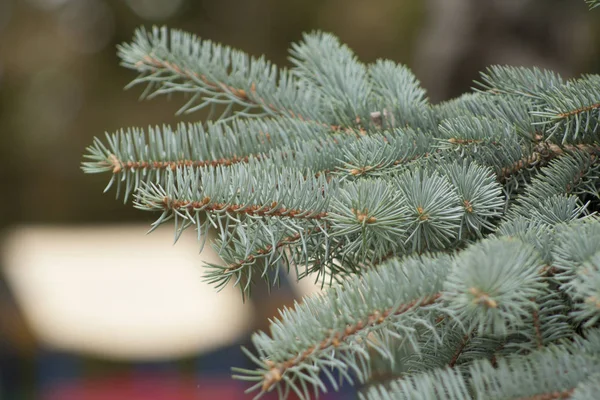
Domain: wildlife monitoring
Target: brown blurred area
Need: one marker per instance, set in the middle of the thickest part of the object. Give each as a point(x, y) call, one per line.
point(61, 85)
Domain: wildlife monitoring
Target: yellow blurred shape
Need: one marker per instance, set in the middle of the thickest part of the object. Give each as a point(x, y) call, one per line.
point(114, 292)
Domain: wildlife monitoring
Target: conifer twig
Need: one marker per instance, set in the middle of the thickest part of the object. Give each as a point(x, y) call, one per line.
point(276, 370)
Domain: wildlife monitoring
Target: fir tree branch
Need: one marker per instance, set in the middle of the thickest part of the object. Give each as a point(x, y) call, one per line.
point(516, 111)
point(593, 3)
point(179, 62)
point(379, 155)
point(249, 253)
point(520, 81)
point(276, 371)
point(544, 152)
point(571, 173)
point(459, 350)
point(318, 60)
point(296, 346)
point(286, 241)
point(538, 329)
point(571, 112)
point(354, 166)
point(137, 155)
point(493, 309)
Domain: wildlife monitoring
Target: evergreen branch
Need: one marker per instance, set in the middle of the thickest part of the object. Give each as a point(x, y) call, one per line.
point(544, 152)
point(136, 155)
point(259, 247)
point(571, 112)
point(260, 210)
point(475, 296)
point(227, 193)
point(554, 373)
point(395, 86)
point(584, 288)
point(538, 233)
point(520, 81)
point(380, 154)
point(587, 389)
point(398, 98)
point(435, 213)
point(593, 3)
point(334, 71)
point(456, 348)
point(318, 333)
point(213, 74)
point(516, 111)
point(489, 142)
point(564, 394)
point(431, 385)
point(572, 173)
point(479, 195)
point(472, 294)
point(576, 244)
point(373, 320)
point(369, 215)
point(548, 373)
point(548, 324)
point(528, 162)
point(263, 251)
point(171, 200)
point(538, 329)
point(355, 169)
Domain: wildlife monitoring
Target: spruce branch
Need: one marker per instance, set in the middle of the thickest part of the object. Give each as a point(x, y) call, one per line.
point(571, 112)
point(345, 172)
point(395, 86)
point(549, 323)
point(472, 294)
point(553, 373)
point(175, 61)
point(572, 173)
point(480, 300)
point(450, 346)
point(330, 331)
point(530, 83)
point(489, 142)
point(379, 155)
point(226, 194)
point(516, 111)
point(136, 155)
point(434, 210)
point(579, 269)
point(479, 195)
point(260, 247)
point(318, 60)
point(398, 98)
point(593, 3)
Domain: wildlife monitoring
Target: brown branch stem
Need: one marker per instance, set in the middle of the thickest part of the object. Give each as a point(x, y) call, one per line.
point(120, 166)
point(579, 110)
point(273, 210)
point(459, 350)
point(538, 330)
point(565, 394)
point(277, 370)
point(231, 268)
point(542, 153)
point(241, 94)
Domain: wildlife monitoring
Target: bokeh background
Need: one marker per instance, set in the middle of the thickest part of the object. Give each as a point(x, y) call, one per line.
point(90, 308)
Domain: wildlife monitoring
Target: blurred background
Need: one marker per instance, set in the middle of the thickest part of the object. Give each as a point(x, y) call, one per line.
point(90, 307)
